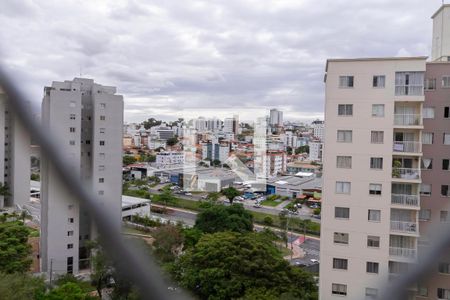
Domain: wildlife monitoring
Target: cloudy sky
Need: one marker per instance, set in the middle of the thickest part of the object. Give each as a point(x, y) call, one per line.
point(167, 56)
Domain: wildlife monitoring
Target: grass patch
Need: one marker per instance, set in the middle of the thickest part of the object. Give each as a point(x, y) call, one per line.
point(272, 203)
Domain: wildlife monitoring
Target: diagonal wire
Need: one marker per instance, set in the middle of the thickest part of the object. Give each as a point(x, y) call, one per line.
point(135, 265)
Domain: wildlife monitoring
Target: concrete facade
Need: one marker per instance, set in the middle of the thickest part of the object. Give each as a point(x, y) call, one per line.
point(87, 121)
point(369, 230)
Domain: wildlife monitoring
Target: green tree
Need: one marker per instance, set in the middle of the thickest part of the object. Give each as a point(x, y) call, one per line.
point(172, 141)
point(224, 218)
point(166, 197)
point(229, 265)
point(68, 291)
point(302, 149)
point(128, 160)
point(4, 190)
point(289, 150)
point(35, 177)
point(17, 286)
point(151, 123)
point(216, 162)
point(14, 248)
point(213, 197)
point(230, 193)
point(168, 242)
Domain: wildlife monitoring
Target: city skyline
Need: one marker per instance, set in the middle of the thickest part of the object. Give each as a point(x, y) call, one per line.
point(239, 55)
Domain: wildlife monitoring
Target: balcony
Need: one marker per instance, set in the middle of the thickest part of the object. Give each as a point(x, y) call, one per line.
point(403, 252)
point(405, 227)
point(408, 120)
point(411, 201)
point(407, 147)
point(406, 173)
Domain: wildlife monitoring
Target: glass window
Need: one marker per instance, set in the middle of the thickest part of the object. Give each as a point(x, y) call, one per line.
point(375, 189)
point(425, 214)
point(446, 140)
point(445, 190)
point(374, 215)
point(377, 110)
point(372, 267)
point(102, 105)
point(409, 83)
point(343, 187)
point(444, 216)
point(339, 289)
point(72, 143)
point(376, 163)
point(340, 263)
point(340, 238)
point(346, 81)
point(345, 109)
point(344, 136)
point(444, 267)
point(443, 293)
point(430, 84)
point(427, 138)
point(342, 212)
point(72, 129)
point(378, 81)
point(428, 112)
point(373, 241)
point(102, 118)
point(72, 116)
point(446, 81)
point(446, 112)
point(70, 233)
point(445, 164)
point(422, 291)
point(426, 163)
point(377, 137)
point(371, 293)
point(102, 143)
point(425, 189)
point(344, 162)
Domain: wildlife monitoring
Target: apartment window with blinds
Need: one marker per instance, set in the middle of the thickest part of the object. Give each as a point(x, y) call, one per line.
point(102, 143)
point(345, 110)
point(428, 112)
point(70, 233)
point(343, 187)
point(346, 81)
point(340, 238)
point(339, 289)
point(430, 84)
point(443, 293)
point(424, 214)
point(72, 116)
point(444, 216)
point(374, 215)
point(344, 136)
point(72, 129)
point(377, 110)
point(446, 139)
point(445, 190)
point(371, 293)
point(445, 164)
point(409, 83)
point(372, 267)
point(376, 163)
point(373, 241)
point(446, 81)
point(377, 137)
point(344, 162)
point(378, 81)
point(444, 268)
point(374, 189)
point(342, 212)
point(340, 263)
point(427, 138)
point(102, 118)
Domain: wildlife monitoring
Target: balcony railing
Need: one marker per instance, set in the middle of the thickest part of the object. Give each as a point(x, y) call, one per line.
point(402, 252)
point(406, 173)
point(408, 119)
point(403, 199)
point(407, 146)
point(402, 226)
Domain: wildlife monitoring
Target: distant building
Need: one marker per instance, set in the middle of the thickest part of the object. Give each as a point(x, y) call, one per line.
point(318, 129)
point(169, 159)
point(14, 157)
point(276, 117)
point(86, 120)
point(293, 186)
point(214, 150)
point(231, 125)
point(315, 151)
point(302, 166)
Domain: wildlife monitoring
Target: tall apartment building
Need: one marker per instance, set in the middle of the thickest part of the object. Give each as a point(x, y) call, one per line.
point(86, 119)
point(276, 117)
point(372, 157)
point(14, 157)
point(318, 129)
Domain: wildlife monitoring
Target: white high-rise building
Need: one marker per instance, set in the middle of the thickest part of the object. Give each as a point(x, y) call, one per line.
point(276, 117)
point(315, 151)
point(440, 50)
point(14, 157)
point(370, 211)
point(318, 129)
point(86, 119)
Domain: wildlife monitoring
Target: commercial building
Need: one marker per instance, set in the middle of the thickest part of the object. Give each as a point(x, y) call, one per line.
point(169, 159)
point(292, 186)
point(215, 150)
point(14, 157)
point(276, 117)
point(86, 120)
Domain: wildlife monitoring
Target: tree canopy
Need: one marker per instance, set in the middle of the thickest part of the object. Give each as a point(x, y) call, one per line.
point(128, 160)
point(230, 193)
point(14, 248)
point(224, 218)
point(230, 265)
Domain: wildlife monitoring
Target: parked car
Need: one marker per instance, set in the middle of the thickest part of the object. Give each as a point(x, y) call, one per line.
point(315, 205)
point(188, 194)
point(315, 216)
point(257, 205)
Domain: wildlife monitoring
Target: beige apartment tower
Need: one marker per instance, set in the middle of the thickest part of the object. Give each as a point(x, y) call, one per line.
point(372, 157)
point(86, 120)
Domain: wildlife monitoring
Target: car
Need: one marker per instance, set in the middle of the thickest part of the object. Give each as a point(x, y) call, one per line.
point(315, 205)
point(298, 205)
point(187, 194)
point(314, 261)
point(315, 216)
point(204, 197)
point(293, 212)
point(257, 205)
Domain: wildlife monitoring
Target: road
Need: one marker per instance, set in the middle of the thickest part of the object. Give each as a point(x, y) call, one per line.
point(304, 212)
